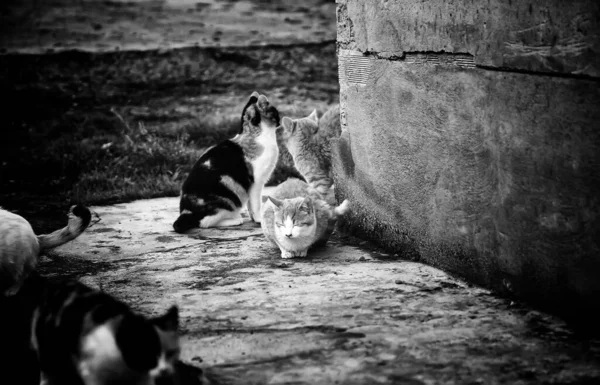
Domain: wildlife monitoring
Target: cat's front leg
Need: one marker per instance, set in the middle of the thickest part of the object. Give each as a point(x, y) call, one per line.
point(300, 254)
point(285, 254)
point(254, 204)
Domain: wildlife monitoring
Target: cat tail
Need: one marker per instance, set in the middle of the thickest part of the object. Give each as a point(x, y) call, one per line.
point(342, 209)
point(79, 219)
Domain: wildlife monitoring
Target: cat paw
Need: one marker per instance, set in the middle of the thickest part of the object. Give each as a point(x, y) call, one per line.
point(293, 254)
point(300, 254)
point(286, 254)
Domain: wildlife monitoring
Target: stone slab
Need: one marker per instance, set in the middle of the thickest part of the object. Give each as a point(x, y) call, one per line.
point(348, 314)
point(552, 36)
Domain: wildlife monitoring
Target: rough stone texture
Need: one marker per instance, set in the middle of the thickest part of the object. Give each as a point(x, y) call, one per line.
point(535, 35)
point(493, 175)
point(348, 314)
point(33, 26)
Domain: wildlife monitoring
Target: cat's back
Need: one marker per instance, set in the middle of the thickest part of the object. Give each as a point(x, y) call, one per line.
point(68, 310)
point(17, 238)
point(291, 188)
point(226, 156)
point(224, 159)
point(329, 124)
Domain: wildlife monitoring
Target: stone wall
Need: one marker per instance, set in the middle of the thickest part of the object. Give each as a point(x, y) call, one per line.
point(471, 139)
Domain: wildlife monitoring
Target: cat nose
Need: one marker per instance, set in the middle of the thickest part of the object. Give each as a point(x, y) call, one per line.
point(289, 235)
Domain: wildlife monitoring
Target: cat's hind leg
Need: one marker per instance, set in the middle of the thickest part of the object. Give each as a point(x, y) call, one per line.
point(223, 218)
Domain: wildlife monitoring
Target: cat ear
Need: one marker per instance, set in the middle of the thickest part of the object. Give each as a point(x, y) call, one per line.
point(313, 116)
point(275, 201)
point(306, 204)
point(138, 343)
point(168, 321)
point(263, 102)
point(288, 124)
point(253, 99)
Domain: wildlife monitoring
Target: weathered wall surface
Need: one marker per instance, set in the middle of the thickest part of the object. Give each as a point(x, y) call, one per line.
point(538, 35)
point(492, 174)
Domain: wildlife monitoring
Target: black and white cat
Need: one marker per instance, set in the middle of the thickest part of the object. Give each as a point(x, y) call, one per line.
point(232, 174)
point(64, 332)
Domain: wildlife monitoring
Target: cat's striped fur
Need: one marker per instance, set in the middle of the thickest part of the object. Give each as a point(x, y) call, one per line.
point(232, 174)
point(20, 247)
point(296, 218)
point(308, 141)
point(82, 336)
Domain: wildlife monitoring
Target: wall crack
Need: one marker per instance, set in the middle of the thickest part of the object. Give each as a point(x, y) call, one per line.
point(464, 60)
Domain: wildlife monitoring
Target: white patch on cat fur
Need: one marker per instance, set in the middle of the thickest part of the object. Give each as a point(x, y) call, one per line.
point(288, 227)
point(102, 361)
point(207, 164)
point(163, 368)
point(100, 356)
point(265, 163)
point(235, 188)
point(262, 167)
point(293, 233)
point(186, 211)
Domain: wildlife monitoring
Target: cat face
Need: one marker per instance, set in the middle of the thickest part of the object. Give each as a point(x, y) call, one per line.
point(259, 113)
point(167, 327)
point(302, 128)
point(132, 349)
point(294, 218)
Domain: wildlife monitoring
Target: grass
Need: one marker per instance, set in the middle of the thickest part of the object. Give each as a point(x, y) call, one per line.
point(109, 128)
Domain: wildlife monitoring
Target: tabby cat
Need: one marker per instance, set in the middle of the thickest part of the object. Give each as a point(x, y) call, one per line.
point(83, 336)
point(308, 141)
point(20, 247)
point(296, 218)
point(233, 173)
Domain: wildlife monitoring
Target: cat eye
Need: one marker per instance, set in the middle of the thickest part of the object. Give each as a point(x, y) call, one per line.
point(279, 224)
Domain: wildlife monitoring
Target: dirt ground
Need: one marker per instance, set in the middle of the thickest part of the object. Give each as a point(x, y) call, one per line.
point(36, 26)
point(76, 75)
